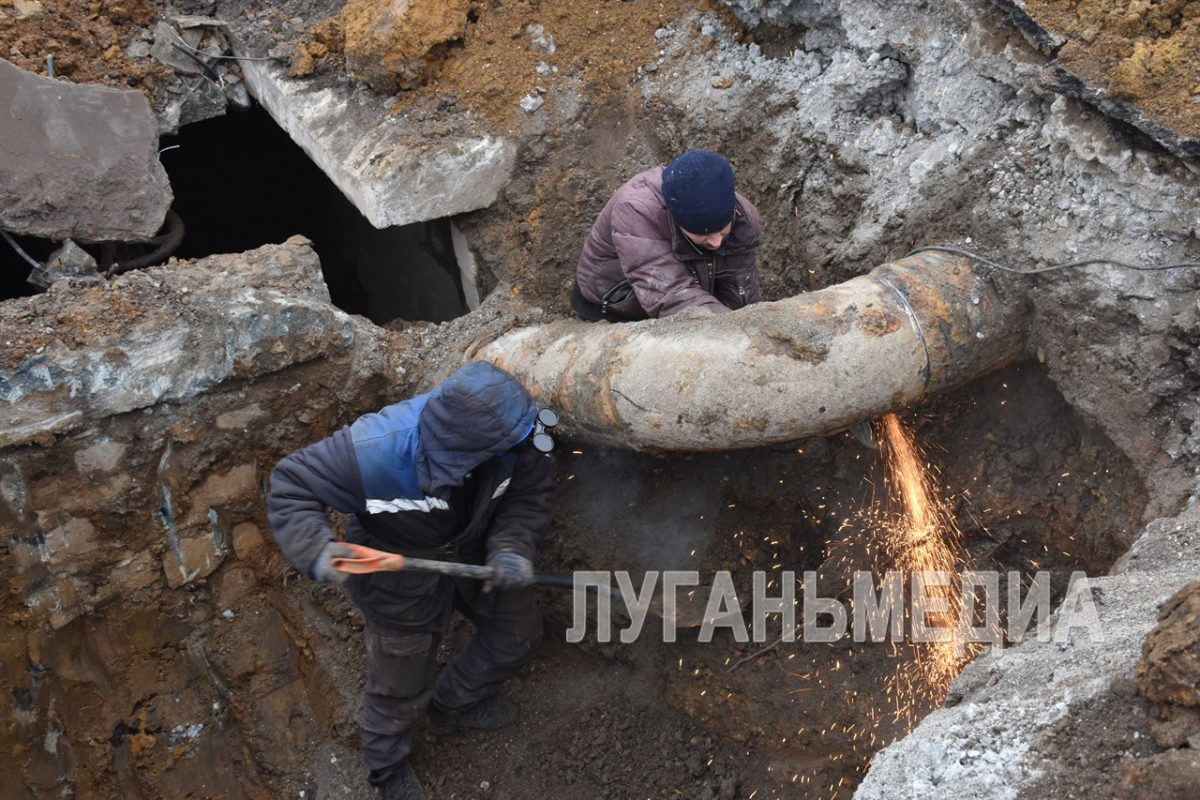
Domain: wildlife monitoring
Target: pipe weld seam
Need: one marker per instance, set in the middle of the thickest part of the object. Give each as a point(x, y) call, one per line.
point(916, 323)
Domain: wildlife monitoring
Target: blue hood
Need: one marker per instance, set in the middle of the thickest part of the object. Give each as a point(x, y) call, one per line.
point(478, 413)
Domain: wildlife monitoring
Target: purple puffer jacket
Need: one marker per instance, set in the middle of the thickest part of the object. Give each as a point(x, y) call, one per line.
point(637, 256)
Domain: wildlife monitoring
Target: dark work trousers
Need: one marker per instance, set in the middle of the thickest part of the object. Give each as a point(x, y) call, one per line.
point(588, 311)
point(401, 667)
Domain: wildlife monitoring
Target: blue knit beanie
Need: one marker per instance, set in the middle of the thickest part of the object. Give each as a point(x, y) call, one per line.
point(698, 188)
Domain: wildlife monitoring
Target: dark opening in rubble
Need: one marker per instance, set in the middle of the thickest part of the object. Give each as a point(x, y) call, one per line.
point(241, 182)
point(14, 269)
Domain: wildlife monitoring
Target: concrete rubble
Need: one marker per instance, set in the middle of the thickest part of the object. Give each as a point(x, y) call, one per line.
point(992, 741)
point(377, 160)
point(209, 79)
point(78, 162)
point(229, 326)
point(68, 262)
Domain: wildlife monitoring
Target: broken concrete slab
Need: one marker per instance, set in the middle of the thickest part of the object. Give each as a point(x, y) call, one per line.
point(172, 51)
point(383, 165)
point(78, 162)
point(78, 354)
point(194, 98)
point(208, 78)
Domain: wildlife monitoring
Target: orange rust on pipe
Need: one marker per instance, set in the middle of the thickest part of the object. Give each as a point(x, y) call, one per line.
point(967, 327)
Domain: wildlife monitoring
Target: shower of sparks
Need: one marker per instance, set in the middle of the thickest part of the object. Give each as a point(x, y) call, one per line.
point(923, 538)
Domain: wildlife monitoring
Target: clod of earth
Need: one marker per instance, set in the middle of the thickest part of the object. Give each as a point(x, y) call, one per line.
point(1170, 668)
point(395, 45)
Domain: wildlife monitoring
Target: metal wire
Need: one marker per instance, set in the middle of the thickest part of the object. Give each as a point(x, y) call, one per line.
point(1053, 267)
point(13, 243)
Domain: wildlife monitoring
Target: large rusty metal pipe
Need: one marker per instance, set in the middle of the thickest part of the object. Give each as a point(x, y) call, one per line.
point(812, 364)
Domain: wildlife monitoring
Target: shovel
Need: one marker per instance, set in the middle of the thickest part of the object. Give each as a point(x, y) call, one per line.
point(690, 606)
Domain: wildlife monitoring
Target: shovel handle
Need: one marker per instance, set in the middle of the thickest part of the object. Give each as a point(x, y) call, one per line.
point(367, 560)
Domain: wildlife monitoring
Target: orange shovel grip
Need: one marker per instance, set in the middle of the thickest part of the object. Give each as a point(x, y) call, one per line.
point(367, 560)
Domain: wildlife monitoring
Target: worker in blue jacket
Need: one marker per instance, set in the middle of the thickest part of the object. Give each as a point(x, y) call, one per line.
point(450, 475)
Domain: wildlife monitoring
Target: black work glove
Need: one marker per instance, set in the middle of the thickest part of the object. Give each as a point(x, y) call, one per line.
point(322, 568)
point(512, 571)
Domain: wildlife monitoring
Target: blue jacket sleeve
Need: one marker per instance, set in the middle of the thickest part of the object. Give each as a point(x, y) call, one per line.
point(324, 474)
point(523, 516)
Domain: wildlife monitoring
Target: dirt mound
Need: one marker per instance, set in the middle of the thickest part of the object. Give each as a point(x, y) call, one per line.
point(89, 41)
point(1144, 52)
point(1173, 775)
point(394, 46)
point(489, 57)
point(1169, 672)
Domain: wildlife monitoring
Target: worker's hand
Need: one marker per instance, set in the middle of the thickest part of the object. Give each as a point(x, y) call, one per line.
point(512, 571)
point(323, 570)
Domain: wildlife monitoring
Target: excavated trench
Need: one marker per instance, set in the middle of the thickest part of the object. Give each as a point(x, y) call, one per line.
point(161, 647)
point(1035, 488)
point(254, 655)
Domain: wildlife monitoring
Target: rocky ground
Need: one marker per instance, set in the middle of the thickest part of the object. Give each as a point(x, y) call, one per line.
point(157, 645)
point(1067, 717)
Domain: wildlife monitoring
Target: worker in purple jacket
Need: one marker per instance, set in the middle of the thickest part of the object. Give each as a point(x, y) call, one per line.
point(458, 474)
point(671, 238)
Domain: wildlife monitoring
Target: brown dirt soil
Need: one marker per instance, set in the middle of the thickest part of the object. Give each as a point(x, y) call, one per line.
point(1107, 751)
point(69, 324)
point(1172, 775)
point(1145, 52)
point(1088, 750)
point(87, 40)
point(392, 46)
point(597, 45)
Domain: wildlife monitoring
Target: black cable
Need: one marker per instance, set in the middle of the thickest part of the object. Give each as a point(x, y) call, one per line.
point(1052, 267)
